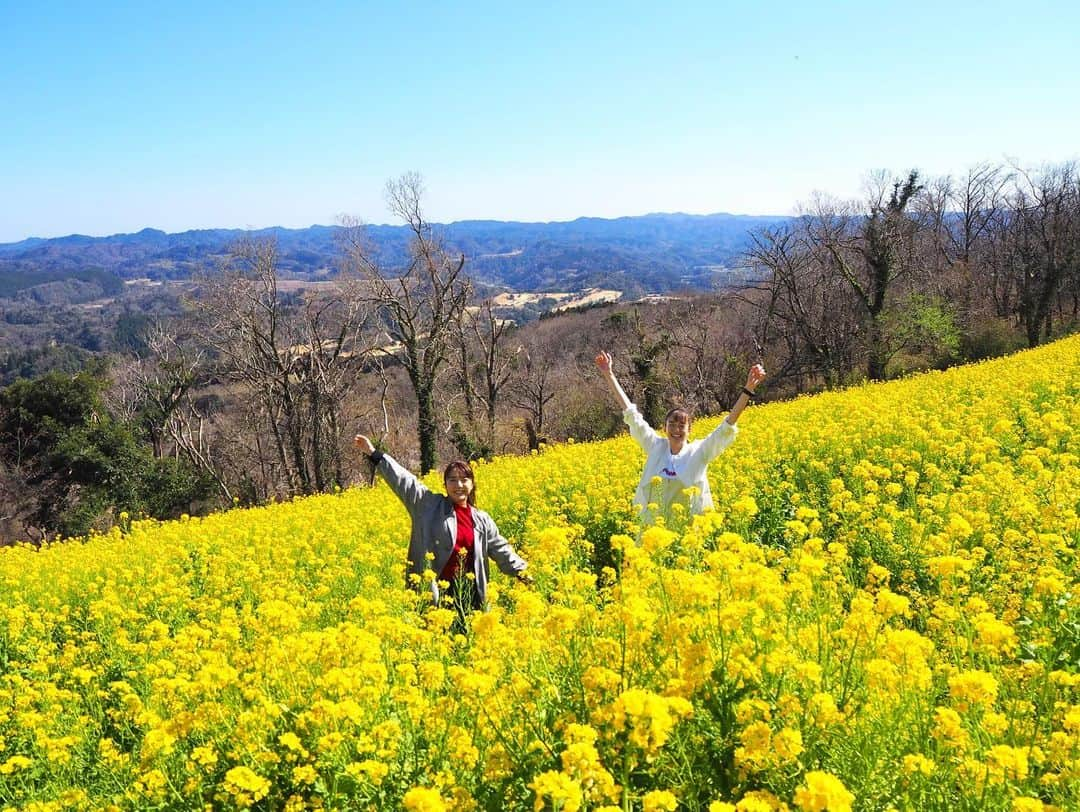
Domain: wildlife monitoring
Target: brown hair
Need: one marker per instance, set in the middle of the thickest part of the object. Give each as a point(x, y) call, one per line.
point(678, 412)
point(463, 468)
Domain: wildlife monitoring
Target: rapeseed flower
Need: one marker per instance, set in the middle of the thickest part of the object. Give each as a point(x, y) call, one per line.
point(882, 560)
point(823, 791)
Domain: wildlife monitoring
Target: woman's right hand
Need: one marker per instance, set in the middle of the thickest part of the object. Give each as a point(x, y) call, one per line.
point(603, 361)
point(364, 443)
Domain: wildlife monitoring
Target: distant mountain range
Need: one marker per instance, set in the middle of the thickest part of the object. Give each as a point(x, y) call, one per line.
point(653, 253)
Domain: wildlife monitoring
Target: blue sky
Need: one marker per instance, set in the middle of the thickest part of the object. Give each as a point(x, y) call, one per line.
point(201, 115)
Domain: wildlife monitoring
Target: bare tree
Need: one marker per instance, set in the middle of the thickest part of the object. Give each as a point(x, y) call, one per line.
point(805, 307)
point(962, 212)
point(871, 251)
point(158, 391)
point(485, 365)
point(1069, 298)
point(835, 276)
point(151, 388)
point(420, 302)
point(532, 390)
point(998, 267)
point(649, 342)
point(291, 363)
point(961, 215)
point(193, 435)
point(1043, 241)
point(710, 351)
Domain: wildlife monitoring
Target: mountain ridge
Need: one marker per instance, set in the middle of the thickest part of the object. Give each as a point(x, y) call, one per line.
point(651, 253)
point(151, 230)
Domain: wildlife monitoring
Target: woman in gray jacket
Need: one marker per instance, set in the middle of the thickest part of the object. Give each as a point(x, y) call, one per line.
point(450, 536)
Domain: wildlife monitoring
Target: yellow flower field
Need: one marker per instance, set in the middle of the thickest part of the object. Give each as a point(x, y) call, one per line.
point(881, 613)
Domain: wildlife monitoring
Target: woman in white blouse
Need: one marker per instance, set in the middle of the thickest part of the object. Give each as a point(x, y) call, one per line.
point(675, 466)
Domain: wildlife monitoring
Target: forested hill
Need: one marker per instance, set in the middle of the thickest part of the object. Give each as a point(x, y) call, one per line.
point(650, 253)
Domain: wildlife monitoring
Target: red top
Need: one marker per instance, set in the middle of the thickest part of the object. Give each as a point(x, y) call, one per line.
point(463, 545)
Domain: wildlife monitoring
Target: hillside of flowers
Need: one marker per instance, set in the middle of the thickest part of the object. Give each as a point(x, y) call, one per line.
point(882, 613)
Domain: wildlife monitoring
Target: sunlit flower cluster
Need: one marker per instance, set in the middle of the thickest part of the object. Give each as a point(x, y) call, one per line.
point(882, 612)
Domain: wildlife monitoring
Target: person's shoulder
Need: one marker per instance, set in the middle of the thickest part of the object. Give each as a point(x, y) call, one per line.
point(481, 515)
point(435, 503)
point(723, 427)
point(482, 518)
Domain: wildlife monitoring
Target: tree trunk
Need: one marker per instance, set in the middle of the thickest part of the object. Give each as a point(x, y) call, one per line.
point(875, 367)
point(318, 450)
point(296, 444)
point(427, 426)
point(491, 422)
point(1032, 325)
point(530, 432)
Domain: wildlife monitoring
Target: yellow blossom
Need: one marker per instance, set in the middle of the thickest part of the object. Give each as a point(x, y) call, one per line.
point(823, 791)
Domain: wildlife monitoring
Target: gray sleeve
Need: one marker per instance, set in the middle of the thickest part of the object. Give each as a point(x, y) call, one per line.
point(500, 550)
point(406, 487)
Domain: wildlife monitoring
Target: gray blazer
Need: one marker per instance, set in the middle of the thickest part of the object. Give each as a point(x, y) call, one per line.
point(434, 529)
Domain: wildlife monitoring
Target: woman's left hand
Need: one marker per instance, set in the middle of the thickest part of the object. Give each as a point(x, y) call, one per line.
point(755, 376)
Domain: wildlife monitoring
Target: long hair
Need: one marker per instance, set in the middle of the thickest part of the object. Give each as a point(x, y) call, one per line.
point(464, 469)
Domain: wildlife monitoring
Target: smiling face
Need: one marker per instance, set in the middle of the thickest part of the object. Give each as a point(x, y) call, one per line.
point(458, 480)
point(458, 488)
point(677, 426)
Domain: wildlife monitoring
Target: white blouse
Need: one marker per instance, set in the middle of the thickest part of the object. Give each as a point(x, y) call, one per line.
point(677, 472)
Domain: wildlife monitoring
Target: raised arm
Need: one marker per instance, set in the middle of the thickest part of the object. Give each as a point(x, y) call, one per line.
point(755, 376)
point(405, 486)
point(603, 362)
point(644, 434)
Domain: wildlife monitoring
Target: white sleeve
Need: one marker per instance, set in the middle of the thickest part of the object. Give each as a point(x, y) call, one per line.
point(640, 430)
point(719, 439)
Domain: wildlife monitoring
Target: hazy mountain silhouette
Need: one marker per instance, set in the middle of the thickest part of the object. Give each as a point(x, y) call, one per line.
point(650, 253)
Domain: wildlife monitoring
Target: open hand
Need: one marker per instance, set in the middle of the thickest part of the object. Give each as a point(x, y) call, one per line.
point(755, 376)
point(364, 443)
